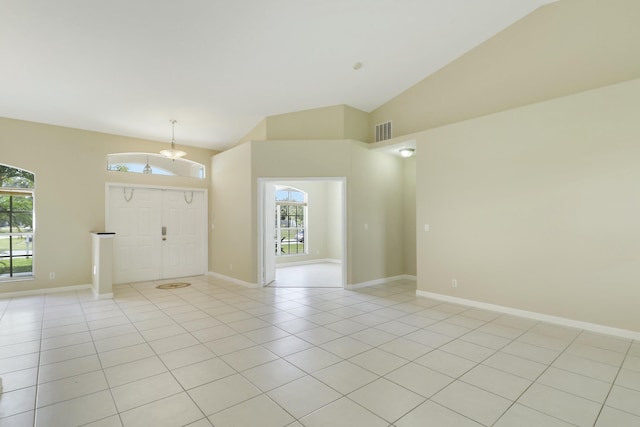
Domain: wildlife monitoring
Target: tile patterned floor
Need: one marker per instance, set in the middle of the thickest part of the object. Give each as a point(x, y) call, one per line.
point(318, 275)
point(219, 354)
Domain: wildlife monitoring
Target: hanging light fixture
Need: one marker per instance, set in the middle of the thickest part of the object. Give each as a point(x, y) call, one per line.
point(173, 153)
point(147, 168)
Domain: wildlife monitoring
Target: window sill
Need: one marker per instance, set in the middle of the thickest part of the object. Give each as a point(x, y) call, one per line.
point(17, 279)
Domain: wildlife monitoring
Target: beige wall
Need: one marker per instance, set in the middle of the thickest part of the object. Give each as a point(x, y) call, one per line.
point(356, 124)
point(374, 197)
point(70, 171)
point(232, 234)
point(334, 238)
point(298, 159)
point(333, 123)
point(409, 215)
point(319, 123)
point(258, 133)
point(376, 215)
point(565, 47)
point(234, 177)
point(537, 208)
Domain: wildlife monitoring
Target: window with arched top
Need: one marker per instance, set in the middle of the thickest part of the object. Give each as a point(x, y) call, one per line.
point(291, 221)
point(17, 188)
point(154, 164)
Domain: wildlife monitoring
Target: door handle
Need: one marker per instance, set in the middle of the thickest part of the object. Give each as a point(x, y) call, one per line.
point(164, 233)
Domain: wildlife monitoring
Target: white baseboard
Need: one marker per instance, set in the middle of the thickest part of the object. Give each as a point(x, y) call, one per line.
point(96, 295)
point(379, 281)
point(562, 321)
point(233, 280)
point(45, 291)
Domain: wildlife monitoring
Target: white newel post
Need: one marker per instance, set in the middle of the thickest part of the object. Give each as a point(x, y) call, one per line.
point(102, 269)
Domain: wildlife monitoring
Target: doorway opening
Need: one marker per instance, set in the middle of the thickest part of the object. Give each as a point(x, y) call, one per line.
point(309, 215)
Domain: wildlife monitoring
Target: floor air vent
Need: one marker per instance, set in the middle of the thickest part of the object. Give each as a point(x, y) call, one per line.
point(383, 131)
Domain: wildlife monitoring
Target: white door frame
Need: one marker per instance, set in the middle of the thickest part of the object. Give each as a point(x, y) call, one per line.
point(268, 219)
point(261, 222)
point(205, 237)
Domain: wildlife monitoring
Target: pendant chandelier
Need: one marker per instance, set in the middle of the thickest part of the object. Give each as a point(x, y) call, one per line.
point(147, 168)
point(173, 153)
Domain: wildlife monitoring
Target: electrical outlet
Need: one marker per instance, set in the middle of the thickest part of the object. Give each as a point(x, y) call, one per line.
point(52, 276)
point(230, 266)
point(454, 283)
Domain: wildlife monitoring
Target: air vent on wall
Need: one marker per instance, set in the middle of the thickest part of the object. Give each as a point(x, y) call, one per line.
point(383, 131)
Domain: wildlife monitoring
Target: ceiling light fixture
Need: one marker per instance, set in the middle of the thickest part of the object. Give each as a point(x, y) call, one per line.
point(407, 152)
point(173, 153)
point(147, 168)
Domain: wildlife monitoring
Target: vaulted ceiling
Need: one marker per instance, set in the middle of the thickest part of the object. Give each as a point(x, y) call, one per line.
point(218, 67)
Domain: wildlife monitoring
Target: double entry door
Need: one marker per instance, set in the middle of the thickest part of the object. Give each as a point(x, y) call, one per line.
point(160, 233)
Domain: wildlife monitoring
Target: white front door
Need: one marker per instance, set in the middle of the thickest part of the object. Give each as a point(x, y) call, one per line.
point(159, 233)
point(183, 222)
point(135, 218)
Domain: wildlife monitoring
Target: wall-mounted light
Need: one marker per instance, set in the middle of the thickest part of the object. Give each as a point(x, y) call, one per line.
point(407, 152)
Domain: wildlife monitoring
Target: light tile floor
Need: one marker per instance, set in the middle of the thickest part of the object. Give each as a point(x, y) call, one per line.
point(318, 275)
point(219, 354)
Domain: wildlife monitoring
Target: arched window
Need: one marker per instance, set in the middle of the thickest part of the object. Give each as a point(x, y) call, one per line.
point(291, 221)
point(155, 164)
point(16, 222)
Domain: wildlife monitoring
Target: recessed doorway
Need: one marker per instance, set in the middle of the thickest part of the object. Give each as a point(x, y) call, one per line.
point(309, 215)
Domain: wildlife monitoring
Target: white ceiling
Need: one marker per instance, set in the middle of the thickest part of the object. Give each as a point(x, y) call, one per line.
point(127, 67)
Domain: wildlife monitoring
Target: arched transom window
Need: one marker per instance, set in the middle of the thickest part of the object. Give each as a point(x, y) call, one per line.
point(154, 164)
